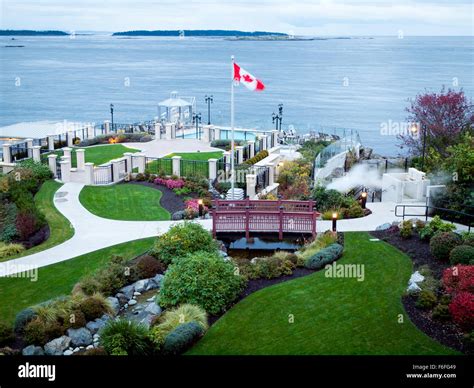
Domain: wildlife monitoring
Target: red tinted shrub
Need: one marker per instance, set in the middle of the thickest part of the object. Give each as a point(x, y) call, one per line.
point(26, 225)
point(459, 278)
point(462, 310)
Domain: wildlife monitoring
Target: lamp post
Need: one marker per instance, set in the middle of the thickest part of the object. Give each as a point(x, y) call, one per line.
point(201, 207)
point(363, 199)
point(197, 120)
point(112, 115)
point(280, 113)
point(275, 120)
point(423, 133)
point(209, 100)
point(334, 221)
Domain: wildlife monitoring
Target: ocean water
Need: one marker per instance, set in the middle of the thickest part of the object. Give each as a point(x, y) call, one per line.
point(361, 84)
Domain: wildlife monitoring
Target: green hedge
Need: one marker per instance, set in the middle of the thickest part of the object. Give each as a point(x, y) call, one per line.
point(257, 158)
point(325, 256)
point(181, 338)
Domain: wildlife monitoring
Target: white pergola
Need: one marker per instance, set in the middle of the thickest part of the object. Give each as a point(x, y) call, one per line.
point(178, 110)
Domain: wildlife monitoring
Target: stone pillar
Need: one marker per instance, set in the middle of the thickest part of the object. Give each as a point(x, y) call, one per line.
point(29, 146)
point(116, 171)
point(251, 144)
point(157, 126)
point(275, 138)
point(107, 126)
point(251, 182)
point(36, 153)
point(271, 174)
point(265, 145)
point(70, 138)
point(206, 133)
point(65, 164)
point(176, 165)
point(173, 131)
point(212, 169)
point(67, 153)
point(217, 133)
point(89, 173)
point(52, 164)
point(128, 158)
point(7, 154)
point(90, 132)
point(168, 131)
point(141, 162)
point(240, 154)
point(81, 158)
point(51, 142)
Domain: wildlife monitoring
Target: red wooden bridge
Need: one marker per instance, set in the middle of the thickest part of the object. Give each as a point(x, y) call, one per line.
point(264, 216)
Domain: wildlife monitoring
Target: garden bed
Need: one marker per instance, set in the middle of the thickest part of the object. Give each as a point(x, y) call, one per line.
point(418, 250)
point(169, 199)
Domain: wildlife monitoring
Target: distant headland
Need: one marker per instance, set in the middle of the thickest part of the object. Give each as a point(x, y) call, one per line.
point(32, 33)
point(200, 33)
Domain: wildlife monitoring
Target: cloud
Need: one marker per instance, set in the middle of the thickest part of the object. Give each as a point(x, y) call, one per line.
point(333, 17)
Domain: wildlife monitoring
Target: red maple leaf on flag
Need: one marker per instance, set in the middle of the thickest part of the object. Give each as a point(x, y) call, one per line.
point(247, 78)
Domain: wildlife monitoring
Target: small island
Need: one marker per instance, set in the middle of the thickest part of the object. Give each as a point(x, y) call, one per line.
point(32, 33)
point(201, 33)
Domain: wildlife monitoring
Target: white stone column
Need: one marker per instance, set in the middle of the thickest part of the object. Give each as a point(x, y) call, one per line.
point(51, 142)
point(271, 174)
point(65, 164)
point(176, 165)
point(227, 164)
point(173, 131)
point(52, 164)
point(251, 182)
point(80, 159)
point(251, 143)
point(128, 158)
point(7, 154)
point(141, 162)
point(89, 173)
point(217, 133)
point(107, 126)
point(70, 138)
point(36, 153)
point(157, 126)
point(116, 171)
point(168, 131)
point(265, 145)
point(29, 146)
point(90, 132)
point(212, 169)
point(240, 154)
point(275, 137)
point(206, 133)
point(67, 153)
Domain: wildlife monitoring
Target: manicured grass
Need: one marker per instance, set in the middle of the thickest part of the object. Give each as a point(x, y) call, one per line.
point(332, 316)
point(124, 202)
point(101, 154)
point(59, 226)
point(58, 279)
point(197, 155)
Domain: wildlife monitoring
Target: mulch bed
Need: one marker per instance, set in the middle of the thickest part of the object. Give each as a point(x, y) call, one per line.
point(169, 200)
point(447, 333)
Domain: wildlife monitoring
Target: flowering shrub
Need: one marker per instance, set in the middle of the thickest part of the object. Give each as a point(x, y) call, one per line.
point(193, 206)
point(170, 183)
point(459, 279)
point(462, 310)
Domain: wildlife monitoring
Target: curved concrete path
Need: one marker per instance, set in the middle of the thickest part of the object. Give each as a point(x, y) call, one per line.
point(91, 233)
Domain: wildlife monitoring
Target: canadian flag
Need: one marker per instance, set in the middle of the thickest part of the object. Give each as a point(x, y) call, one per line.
point(249, 81)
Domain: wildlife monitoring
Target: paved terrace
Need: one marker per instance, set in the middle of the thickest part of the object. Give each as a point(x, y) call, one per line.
point(161, 148)
point(93, 233)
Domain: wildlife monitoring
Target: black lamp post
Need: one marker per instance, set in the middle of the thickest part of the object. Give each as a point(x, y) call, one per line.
point(197, 120)
point(363, 199)
point(423, 133)
point(201, 207)
point(209, 100)
point(280, 113)
point(112, 115)
point(334, 221)
point(275, 120)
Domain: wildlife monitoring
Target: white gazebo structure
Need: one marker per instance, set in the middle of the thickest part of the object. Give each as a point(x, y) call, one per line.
point(177, 110)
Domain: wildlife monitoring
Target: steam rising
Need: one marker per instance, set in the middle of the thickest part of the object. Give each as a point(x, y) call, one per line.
point(359, 175)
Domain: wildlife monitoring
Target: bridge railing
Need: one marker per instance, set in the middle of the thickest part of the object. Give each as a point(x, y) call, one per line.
point(267, 205)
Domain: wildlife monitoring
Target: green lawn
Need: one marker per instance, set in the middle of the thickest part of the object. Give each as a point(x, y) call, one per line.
point(101, 154)
point(58, 279)
point(127, 202)
point(197, 155)
point(60, 228)
point(332, 316)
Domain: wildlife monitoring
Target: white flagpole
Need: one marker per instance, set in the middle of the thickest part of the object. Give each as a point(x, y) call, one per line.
point(232, 181)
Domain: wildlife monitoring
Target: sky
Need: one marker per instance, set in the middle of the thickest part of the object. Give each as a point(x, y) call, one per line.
point(298, 17)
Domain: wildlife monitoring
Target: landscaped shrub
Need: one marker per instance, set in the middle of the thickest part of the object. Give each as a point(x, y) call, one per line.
point(7, 250)
point(140, 177)
point(182, 338)
point(442, 243)
point(148, 266)
point(184, 313)
point(324, 256)
point(106, 280)
point(6, 334)
point(169, 183)
point(39, 332)
point(426, 300)
point(459, 278)
point(273, 267)
point(157, 337)
point(94, 307)
point(22, 319)
point(434, 226)
point(462, 310)
point(94, 352)
point(124, 338)
point(257, 158)
point(27, 224)
point(322, 241)
point(225, 144)
point(462, 254)
point(331, 199)
point(203, 279)
point(354, 211)
point(441, 312)
point(468, 239)
point(8, 214)
point(182, 239)
point(406, 230)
